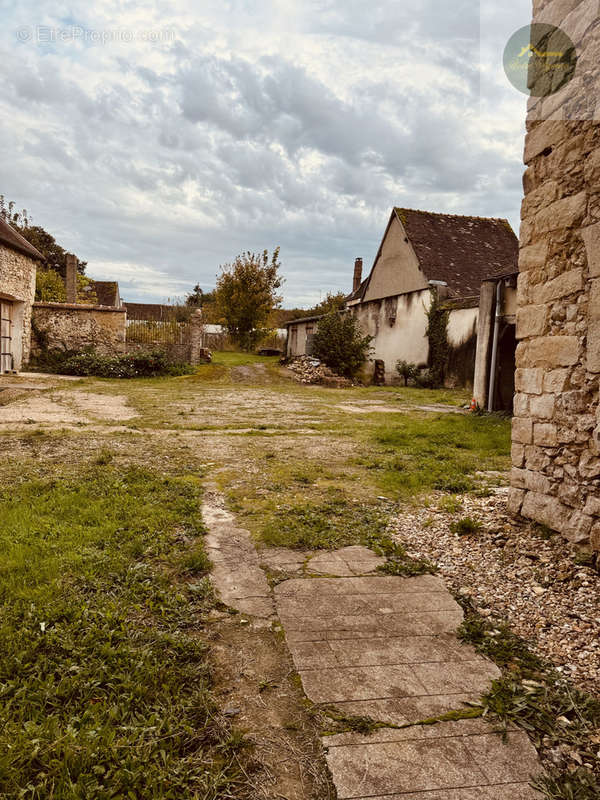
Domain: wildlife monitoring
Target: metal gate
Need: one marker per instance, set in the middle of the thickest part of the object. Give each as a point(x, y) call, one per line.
point(6, 357)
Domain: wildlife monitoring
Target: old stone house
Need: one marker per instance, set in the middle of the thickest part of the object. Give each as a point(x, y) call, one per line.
point(423, 255)
point(556, 428)
point(18, 263)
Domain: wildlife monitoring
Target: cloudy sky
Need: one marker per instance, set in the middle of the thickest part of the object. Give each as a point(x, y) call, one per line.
point(158, 140)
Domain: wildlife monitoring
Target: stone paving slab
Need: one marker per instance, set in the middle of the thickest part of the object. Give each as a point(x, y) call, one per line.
point(370, 652)
point(385, 648)
point(371, 626)
point(346, 561)
point(507, 791)
point(424, 765)
point(236, 574)
point(317, 587)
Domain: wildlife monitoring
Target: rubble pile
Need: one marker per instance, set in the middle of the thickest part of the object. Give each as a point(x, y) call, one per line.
point(310, 370)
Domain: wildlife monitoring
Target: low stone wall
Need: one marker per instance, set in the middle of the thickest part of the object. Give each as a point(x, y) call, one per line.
point(66, 326)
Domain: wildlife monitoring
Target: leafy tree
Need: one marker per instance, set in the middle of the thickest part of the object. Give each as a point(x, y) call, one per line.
point(341, 344)
point(199, 298)
point(54, 255)
point(246, 296)
point(332, 302)
point(50, 287)
point(407, 371)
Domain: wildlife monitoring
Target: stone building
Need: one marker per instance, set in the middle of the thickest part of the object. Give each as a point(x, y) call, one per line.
point(422, 255)
point(18, 263)
point(556, 429)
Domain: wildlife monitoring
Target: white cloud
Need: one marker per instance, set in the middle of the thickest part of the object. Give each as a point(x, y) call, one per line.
point(264, 123)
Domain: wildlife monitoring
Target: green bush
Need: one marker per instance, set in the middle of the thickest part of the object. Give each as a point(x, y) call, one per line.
point(340, 343)
point(407, 371)
point(87, 363)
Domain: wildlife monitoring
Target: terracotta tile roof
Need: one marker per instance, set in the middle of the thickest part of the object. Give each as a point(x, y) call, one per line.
point(10, 238)
point(107, 293)
point(462, 251)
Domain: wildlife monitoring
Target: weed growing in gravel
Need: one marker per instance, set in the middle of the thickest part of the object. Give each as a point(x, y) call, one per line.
point(563, 722)
point(451, 504)
point(103, 692)
point(467, 526)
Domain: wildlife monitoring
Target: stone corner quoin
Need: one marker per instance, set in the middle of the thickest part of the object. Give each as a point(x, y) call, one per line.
point(556, 428)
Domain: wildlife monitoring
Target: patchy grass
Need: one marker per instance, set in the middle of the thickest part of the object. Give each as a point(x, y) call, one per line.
point(104, 683)
point(326, 525)
point(442, 452)
point(231, 359)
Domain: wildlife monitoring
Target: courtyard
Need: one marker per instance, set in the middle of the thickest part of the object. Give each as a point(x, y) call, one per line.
point(191, 564)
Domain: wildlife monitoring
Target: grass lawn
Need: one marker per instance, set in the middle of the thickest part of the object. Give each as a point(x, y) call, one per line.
point(104, 682)
point(231, 359)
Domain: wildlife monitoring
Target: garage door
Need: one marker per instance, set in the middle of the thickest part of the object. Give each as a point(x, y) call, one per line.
point(6, 359)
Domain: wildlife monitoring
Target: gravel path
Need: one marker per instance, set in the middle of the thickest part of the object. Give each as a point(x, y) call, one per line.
point(514, 574)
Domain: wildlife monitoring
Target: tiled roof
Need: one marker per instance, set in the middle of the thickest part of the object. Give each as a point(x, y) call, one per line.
point(107, 292)
point(461, 251)
point(10, 238)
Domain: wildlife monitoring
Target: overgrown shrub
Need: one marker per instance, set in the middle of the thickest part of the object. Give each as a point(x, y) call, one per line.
point(87, 363)
point(407, 371)
point(341, 344)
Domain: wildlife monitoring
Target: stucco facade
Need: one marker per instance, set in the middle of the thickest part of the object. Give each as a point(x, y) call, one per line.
point(17, 292)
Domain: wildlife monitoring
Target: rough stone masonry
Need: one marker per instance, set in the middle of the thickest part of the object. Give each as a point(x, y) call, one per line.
point(556, 428)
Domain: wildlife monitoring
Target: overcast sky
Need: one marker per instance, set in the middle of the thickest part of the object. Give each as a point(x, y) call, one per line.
point(158, 140)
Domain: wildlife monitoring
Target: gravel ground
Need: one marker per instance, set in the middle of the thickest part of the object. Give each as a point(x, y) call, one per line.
point(512, 573)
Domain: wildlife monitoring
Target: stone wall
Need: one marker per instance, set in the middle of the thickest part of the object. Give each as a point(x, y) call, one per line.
point(556, 429)
point(67, 326)
point(17, 284)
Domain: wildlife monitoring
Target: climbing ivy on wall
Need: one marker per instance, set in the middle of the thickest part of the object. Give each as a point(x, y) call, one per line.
point(437, 333)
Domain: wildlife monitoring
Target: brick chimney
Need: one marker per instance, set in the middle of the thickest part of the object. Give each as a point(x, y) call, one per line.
point(71, 278)
point(357, 274)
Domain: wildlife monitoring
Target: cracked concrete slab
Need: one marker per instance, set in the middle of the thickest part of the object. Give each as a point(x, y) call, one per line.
point(385, 648)
point(345, 562)
point(236, 575)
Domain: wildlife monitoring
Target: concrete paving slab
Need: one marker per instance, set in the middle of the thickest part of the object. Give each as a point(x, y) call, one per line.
point(455, 677)
point(236, 575)
point(376, 625)
point(354, 604)
point(384, 647)
point(512, 791)
point(346, 561)
point(377, 769)
point(360, 683)
point(384, 584)
point(378, 652)
point(504, 760)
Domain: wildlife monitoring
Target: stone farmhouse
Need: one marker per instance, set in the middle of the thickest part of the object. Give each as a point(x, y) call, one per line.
point(424, 255)
point(18, 264)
